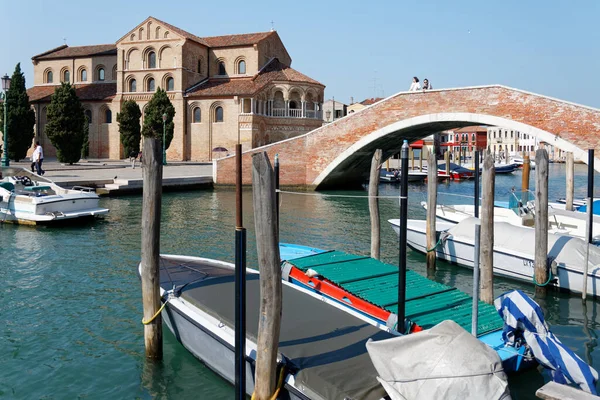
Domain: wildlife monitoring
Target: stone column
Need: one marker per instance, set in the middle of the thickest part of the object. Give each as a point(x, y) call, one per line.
point(287, 108)
point(252, 105)
point(304, 109)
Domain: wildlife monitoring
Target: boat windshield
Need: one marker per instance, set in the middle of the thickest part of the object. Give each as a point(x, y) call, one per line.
point(518, 201)
point(17, 171)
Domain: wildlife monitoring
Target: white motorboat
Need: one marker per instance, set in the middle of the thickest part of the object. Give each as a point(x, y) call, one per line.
point(514, 252)
point(29, 199)
point(560, 221)
point(322, 344)
point(519, 162)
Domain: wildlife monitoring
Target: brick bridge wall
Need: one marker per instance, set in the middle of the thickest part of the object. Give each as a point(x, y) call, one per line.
point(304, 158)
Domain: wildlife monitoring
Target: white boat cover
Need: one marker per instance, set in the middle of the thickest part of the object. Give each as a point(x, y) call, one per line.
point(444, 362)
point(564, 250)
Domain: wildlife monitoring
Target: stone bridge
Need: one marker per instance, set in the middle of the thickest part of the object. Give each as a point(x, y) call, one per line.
point(339, 153)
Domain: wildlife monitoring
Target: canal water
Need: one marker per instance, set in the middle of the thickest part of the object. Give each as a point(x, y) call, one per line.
point(71, 299)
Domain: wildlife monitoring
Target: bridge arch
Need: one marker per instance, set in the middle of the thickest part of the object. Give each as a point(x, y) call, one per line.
point(353, 164)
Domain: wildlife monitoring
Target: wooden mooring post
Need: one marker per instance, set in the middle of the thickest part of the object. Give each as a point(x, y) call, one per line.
point(570, 181)
point(431, 209)
point(150, 274)
point(374, 203)
point(411, 154)
point(267, 246)
point(541, 223)
point(447, 160)
point(422, 154)
point(486, 246)
point(525, 179)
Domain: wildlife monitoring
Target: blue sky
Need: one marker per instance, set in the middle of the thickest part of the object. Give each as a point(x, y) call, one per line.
point(355, 48)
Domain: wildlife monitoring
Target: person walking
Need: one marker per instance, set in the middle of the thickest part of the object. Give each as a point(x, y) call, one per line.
point(427, 85)
point(132, 157)
point(40, 158)
point(415, 85)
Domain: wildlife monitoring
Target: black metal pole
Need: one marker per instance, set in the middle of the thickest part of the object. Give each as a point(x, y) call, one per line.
point(591, 193)
point(476, 191)
point(402, 237)
point(240, 284)
point(276, 170)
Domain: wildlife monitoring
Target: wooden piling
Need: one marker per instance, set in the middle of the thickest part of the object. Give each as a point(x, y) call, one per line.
point(447, 160)
point(525, 179)
point(374, 203)
point(267, 245)
point(411, 154)
point(570, 181)
point(541, 222)
point(431, 208)
point(422, 153)
point(486, 246)
point(151, 206)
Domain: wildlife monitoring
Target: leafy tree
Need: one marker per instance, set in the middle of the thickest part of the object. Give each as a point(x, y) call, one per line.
point(20, 117)
point(129, 126)
point(153, 123)
point(85, 148)
point(66, 120)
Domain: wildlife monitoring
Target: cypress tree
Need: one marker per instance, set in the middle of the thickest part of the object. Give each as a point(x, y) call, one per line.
point(85, 148)
point(153, 123)
point(65, 127)
point(20, 117)
point(129, 126)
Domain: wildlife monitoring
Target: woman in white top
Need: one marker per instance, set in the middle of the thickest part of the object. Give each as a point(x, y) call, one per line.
point(415, 85)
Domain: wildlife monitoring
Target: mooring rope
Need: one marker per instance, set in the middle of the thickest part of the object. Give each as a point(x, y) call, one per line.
point(542, 284)
point(157, 313)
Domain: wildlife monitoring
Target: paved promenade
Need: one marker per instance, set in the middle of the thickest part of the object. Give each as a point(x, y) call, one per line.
point(98, 173)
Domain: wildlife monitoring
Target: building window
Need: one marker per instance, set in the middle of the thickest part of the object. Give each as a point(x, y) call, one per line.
point(473, 138)
point(200, 66)
point(49, 77)
point(132, 85)
point(219, 114)
point(67, 76)
point(198, 115)
point(88, 116)
point(242, 67)
point(101, 74)
point(150, 85)
point(107, 117)
point(152, 60)
point(505, 134)
point(222, 70)
point(83, 75)
point(512, 147)
point(511, 134)
point(170, 84)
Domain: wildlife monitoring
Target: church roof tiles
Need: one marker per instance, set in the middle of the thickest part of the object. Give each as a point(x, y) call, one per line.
point(65, 51)
point(88, 92)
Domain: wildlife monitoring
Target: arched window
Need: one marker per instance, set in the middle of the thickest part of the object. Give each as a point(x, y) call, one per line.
point(132, 85)
point(200, 66)
point(152, 60)
point(101, 74)
point(219, 114)
point(88, 116)
point(242, 67)
point(197, 115)
point(83, 75)
point(67, 76)
point(150, 85)
point(222, 70)
point(114, 73)
point(107, 117)
point(49, 77)
point(170, 84)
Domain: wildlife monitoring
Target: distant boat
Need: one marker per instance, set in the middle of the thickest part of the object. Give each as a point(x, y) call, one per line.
point(456, 172)
point(498, 168)
point(30, 199)
point(514, 252)
point(393, 177)
point(519, 162)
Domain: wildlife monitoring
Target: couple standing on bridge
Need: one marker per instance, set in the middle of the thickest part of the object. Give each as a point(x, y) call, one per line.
point(415, 85)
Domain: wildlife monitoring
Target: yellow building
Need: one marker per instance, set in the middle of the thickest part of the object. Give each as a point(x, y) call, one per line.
point(225, 89)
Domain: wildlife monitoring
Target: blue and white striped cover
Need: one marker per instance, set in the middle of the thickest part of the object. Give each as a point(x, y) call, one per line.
point(523, 315)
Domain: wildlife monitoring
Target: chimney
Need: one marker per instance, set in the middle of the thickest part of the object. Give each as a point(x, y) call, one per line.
point(351, 100)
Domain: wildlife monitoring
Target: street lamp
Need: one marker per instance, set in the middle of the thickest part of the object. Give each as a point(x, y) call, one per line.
point(5, 87)
point(164, 139)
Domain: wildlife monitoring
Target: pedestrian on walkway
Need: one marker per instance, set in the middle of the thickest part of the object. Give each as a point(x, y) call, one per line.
point(132, 157)
point(37, 158)
point(415, 85)
point(427, 85)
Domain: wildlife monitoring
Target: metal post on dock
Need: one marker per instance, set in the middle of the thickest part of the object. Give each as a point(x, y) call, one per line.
point(267, 246)
point(150, 264)
point(486, 246)
point(475, 315)
point(541, 223)
point(374, 203)
point(590, 220)
point(431, 209)
point(570, 181)
point(402, 238)
point(240, 283)
point(525, 179)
